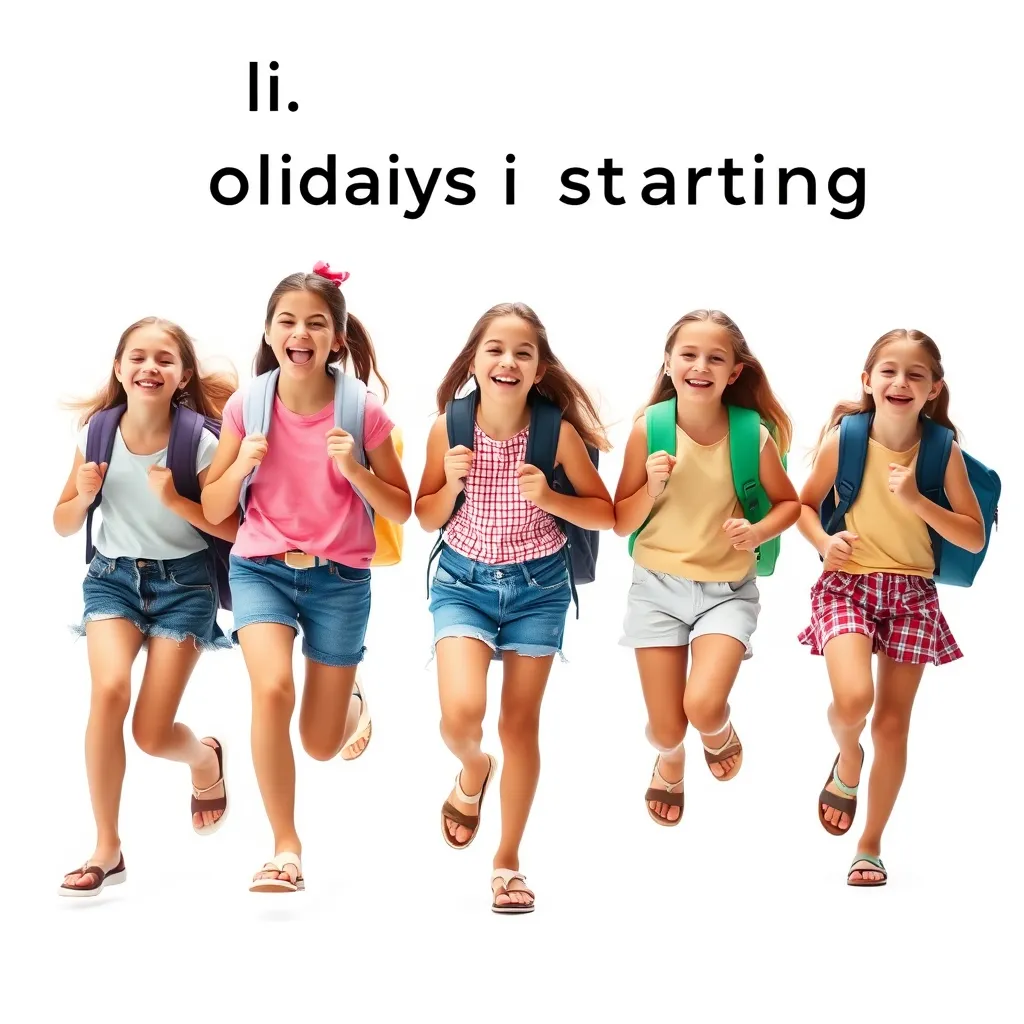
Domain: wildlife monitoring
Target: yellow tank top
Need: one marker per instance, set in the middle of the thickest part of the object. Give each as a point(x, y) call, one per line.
point(891, 538)
point(685, 535)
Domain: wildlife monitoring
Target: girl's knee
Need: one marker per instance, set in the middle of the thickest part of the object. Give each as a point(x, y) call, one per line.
point(518, 726)
point(461, 725)
point(666, 736)
point(889, 726)
point(150, 737)
point(112, 696)
point(852, 704)
point(275, 694)
point(319, 746)
point(706, 711)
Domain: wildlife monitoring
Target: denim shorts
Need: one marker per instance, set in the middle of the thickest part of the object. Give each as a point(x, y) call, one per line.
point(519, 607)
point(330, 604)
point(171, 597)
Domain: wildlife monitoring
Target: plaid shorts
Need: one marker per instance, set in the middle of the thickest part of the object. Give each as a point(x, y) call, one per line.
point(900, 613)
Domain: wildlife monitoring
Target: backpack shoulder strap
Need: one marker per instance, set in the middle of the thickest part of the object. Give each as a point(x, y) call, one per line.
point(350, 408)
point(933, 458)
point(258, 402)
point(460, 419)
point(853, 454)
point(745, 457)
point(661, 427)
point(99, 446)
point(542, 442)
point(257, 406)
point(183, 451)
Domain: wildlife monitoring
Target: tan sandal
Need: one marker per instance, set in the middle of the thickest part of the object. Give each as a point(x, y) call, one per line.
point(664, 796)
point(364, 727)
point(218, 803)
point(731, 748)
point(99, 879)
point(506, 876)
point(280, 863)
point(470, 821)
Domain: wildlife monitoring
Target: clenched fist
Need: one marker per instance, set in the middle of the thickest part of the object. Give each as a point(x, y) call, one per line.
point(89, 479)
point(251, 452)
point(659, 469)
point(340, 447)
point(162, 484)
point(838, 550)
point(742, 534)
point(457, 462)
point(533, 485)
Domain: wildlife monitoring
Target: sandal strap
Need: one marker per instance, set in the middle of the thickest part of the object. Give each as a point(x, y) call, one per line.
point(465, 797)
point(663, 796)
point(875, 862)
point(668, 785)
point(847, 790)
point(89, 869)
point(199, 792)
point(219, 803)
point(838, 803)
point(469, 821)
point(725, 750)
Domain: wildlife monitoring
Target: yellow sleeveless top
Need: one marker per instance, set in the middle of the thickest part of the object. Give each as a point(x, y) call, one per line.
point(891, 538)
point(685, 535)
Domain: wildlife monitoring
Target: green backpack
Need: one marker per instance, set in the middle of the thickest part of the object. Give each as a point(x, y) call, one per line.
point(745, 453)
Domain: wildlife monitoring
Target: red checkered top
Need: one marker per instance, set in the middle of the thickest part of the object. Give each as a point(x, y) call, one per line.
point(496, 524)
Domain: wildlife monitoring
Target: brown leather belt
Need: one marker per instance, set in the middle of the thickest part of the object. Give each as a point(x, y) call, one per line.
point(300, 560)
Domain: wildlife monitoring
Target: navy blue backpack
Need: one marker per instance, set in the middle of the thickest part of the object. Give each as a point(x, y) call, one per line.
point(187, 427)
point(953, 566)
point(541, 450)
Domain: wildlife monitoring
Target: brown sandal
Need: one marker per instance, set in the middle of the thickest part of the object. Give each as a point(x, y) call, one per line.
point(731, 748)
point(664, 796)
point(846, 804)
point(100, 878)
point(218, 803)
point(470, 821)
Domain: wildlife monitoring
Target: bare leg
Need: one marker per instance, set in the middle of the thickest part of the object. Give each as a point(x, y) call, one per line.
point(462, 664)
point(716, 663)
point(848, 658)
point(267, 649)
point(326, 709)
point(113, 645)
point(663, 678)
point(522, 691)
point(169, 666)
point(890, 725)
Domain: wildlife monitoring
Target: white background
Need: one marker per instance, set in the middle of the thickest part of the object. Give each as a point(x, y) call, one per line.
point(115, 119)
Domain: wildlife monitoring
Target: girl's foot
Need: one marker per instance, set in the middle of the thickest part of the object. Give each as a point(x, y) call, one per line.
point(102, 868)
point(723, 752)
point(465, 800)
point(667, 779)
point(282, 873)
point(208, 787)
point(867, 869)
point(842, 785)
point(509, 892)
point(358, 712)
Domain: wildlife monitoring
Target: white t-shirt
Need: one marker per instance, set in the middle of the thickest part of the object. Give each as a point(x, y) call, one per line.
point(134, 522)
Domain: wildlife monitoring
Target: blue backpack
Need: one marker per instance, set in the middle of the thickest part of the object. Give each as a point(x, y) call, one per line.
point(187, 427)
point(953, 566)
point(541, 450)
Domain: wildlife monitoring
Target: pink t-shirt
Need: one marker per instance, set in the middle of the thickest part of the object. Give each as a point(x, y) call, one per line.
point(299, 501)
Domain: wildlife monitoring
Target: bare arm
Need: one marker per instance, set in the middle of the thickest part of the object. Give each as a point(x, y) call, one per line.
point(963, 526)
point(785, 510)
point(383, 485)
point(633, 502)
point(436, 496)
point(812, 494)
point(591, 508)
point(73, 505)
point(192, 512)
point(223, 480)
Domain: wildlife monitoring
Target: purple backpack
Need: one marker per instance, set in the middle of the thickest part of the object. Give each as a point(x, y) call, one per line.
point(182, 451)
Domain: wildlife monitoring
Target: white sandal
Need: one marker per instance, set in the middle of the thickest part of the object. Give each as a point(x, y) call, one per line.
point(364, 727)
point(506, 876)
point(279, 863)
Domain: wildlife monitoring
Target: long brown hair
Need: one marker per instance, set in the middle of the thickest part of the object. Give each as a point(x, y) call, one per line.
point(750, 390)
point(937, 409)
point(557, 385)
point(204, 392)
point(355, 339)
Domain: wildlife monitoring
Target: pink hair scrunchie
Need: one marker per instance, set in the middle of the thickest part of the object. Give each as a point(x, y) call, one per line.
point(324, 270)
